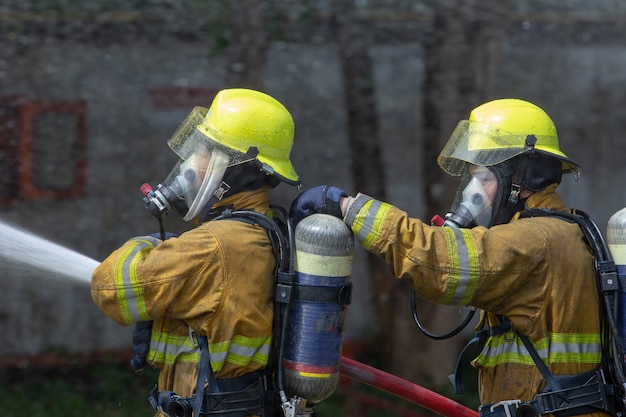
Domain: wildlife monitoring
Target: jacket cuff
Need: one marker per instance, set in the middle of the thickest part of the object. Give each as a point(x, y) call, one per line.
point(354, 206)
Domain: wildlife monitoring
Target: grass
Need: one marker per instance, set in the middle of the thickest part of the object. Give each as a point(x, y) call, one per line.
point(101, 389)
point(109, 388)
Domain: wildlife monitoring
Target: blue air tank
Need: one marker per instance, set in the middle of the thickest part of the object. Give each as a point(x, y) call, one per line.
point(323, 264)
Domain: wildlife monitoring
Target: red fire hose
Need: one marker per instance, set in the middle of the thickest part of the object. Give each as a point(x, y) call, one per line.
point(404, 389)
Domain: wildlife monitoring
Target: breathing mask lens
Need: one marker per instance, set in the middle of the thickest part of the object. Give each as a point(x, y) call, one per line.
point(187, 176)
point(474, 207)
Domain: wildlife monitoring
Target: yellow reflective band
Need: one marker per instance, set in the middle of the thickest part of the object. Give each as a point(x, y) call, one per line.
point(464, 267)
point(563, 348)
point(367, 224)
point(241, 351)
point(128, 290)
point(323, 265)
point(169, 348)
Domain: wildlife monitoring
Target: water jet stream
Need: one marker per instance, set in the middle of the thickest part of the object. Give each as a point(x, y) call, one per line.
point(21, 251)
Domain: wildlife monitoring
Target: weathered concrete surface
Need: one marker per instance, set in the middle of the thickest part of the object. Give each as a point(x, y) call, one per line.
point(132, 92)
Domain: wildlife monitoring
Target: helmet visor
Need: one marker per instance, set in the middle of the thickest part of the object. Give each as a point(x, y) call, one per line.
point(199, 172)
point(188, 140)
point(479, 144)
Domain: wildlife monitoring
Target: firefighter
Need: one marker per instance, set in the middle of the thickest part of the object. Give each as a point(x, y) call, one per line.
point(530, 274)
point(206, 296)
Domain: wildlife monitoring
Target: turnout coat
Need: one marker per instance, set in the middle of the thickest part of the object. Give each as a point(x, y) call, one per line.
point(536, 271)
point(215, 280)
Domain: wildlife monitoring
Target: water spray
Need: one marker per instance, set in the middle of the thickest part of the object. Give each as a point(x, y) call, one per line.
point(23, 251)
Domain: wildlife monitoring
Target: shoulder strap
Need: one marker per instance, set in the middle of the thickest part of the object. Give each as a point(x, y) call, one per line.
point(276, 232)
point(543, 368)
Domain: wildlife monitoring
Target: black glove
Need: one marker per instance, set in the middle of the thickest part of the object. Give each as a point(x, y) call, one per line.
point(141, 344)
point(321, 199)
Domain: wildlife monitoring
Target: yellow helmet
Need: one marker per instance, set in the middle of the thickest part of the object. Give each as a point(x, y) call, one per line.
point(240, 126)
point(240, 119)
point(498, 131)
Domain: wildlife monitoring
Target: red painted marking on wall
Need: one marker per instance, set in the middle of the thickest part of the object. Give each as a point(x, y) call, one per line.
point(28, 111)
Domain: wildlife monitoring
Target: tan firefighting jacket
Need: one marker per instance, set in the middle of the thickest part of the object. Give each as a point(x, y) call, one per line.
point(537, 271)
point(214, 280)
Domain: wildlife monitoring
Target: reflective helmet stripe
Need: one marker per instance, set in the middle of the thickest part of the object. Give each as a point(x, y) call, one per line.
point(130, 297)
point(556, 348)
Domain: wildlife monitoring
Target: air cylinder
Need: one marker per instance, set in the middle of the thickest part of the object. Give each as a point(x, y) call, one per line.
point(324, 248)
point(616, 240)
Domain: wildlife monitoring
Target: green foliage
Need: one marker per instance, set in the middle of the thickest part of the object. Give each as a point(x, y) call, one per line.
point(108, 389)
point(111, 389)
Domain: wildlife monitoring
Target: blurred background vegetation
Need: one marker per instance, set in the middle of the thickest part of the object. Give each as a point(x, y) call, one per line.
point(110, 388)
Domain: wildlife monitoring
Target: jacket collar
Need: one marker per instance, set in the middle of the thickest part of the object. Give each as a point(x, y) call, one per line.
point(256, 200)
point(546, 198)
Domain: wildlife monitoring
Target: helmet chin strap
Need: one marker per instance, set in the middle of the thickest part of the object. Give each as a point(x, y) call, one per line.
point(224, 187)
point(520, 170)
point(219, 193)
point(207, 212)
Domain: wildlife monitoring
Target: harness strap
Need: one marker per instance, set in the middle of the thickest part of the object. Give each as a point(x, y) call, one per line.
point(587, 393)
point(235, 397)
point(205, 374)
point(341, 295)
point(480, 338)
point(543, 368)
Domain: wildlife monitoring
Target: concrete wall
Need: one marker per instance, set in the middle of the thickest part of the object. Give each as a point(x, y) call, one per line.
point(137, 91)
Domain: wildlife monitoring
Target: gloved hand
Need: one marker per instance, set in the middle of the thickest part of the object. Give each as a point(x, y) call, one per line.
point(321, 199)
point(141, 344)
point(168, 235)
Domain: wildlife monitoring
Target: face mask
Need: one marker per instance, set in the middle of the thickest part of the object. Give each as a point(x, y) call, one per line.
point(187, 181)
point(196, 180)
point(475, 208)
point(209, 183)
point(190, 185)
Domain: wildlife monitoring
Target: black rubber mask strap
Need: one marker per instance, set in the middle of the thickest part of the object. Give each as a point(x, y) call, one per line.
point(520, 170)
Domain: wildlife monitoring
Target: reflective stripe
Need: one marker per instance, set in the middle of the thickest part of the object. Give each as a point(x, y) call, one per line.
point(129, 292)
point(464, 264)
point(168, 349)
point(556, 348)
point(241, 351)
point(370, 220)
point(464, 267)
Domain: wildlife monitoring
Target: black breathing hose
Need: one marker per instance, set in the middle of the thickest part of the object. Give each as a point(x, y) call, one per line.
point(448, 335)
